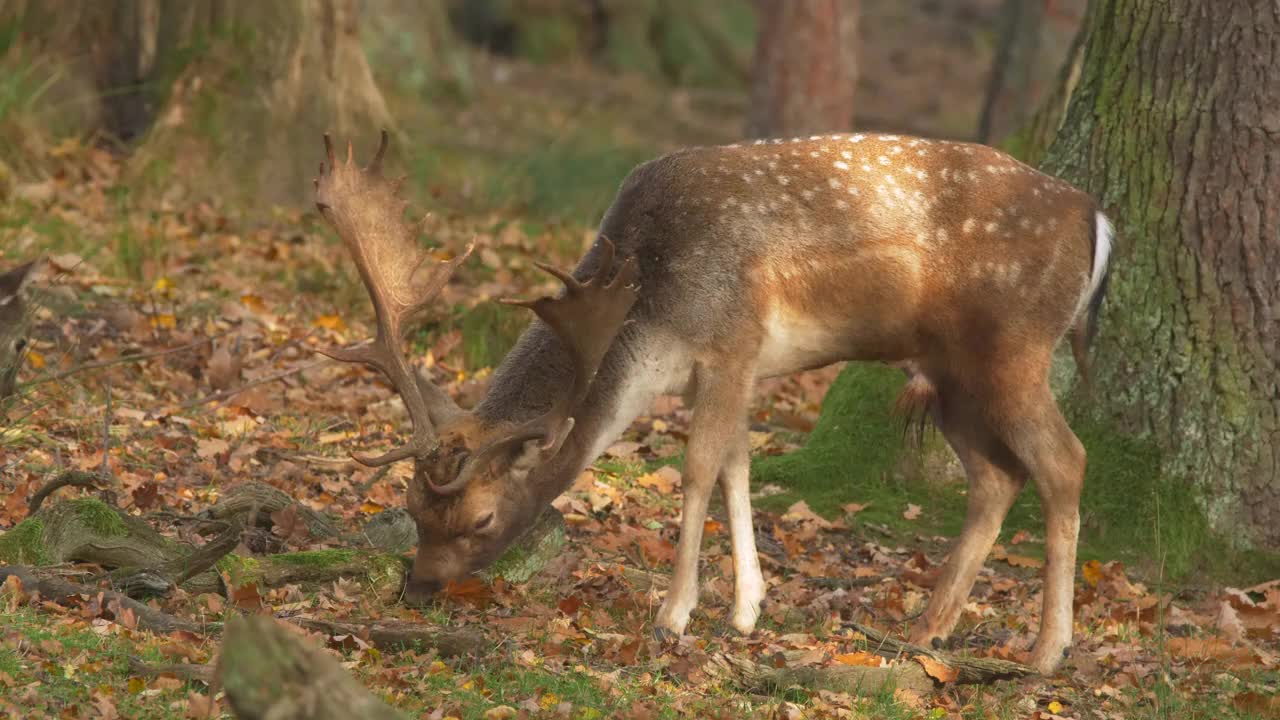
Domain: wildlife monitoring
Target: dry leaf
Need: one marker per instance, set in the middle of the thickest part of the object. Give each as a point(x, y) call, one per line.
point(939, 671)
point(864, 659)
point(912, 512)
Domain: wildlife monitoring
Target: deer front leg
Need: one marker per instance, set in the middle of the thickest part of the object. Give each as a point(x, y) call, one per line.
point(748, 583)
point(720, 402)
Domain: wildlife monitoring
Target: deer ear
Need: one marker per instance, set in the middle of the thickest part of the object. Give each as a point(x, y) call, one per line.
point(14, 282)
point(538, 450)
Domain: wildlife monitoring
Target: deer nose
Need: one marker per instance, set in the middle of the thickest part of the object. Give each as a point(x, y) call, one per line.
point(418, 591)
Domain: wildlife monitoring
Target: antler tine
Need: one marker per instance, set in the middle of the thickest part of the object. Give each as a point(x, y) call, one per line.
point(328, 154)
point(362, 207)
point(586, 318)
point(375, 167)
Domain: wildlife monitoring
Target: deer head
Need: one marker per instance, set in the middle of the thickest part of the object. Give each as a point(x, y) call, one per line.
point(13, 325)
point(471, 494)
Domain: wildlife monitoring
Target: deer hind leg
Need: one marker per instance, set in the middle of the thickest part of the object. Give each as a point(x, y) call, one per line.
point(720, 403)
point(995, 479)
point(748, 583)
point(1036, 432)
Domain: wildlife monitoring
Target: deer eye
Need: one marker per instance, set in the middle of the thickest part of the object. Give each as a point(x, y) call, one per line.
point(484, 522)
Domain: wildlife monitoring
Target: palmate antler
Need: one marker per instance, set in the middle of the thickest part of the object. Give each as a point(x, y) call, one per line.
point(365, 209)
point(586, 317)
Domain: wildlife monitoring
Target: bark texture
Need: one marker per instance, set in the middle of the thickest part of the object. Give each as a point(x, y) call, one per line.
point(805, 68)
point(1175, 125)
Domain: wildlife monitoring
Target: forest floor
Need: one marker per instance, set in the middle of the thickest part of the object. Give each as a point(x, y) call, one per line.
point(244, 397)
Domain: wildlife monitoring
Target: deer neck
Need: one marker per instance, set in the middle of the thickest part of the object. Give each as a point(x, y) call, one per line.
point(530, 378)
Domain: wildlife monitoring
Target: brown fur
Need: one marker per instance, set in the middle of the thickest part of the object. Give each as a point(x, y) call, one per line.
point(953, 261)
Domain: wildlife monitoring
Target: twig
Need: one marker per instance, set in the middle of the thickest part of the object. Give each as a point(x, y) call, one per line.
point(232, 392)
point(78, 478)
point(186, 671)
point(56, 589)
point(392, 636)
point(970, 669)
point(118, 361)
point(106, 431)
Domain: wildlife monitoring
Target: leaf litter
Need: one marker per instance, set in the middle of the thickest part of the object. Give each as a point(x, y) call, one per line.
point(248, 399)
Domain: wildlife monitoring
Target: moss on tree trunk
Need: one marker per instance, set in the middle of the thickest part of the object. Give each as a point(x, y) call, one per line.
point(1173, 124)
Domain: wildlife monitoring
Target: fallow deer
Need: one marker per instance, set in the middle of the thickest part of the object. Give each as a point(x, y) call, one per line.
point(717, 266)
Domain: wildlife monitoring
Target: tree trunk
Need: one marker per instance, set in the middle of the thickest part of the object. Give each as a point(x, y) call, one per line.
point(1175, 125)
point(221, 93)
point(249, 110)
point(805, 67)
point(1011, 84)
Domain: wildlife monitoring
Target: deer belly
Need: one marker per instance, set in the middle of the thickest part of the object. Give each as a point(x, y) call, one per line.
point(794, 342)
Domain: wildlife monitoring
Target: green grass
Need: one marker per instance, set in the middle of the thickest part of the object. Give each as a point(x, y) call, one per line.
point(73, 663)
point(1129, 511)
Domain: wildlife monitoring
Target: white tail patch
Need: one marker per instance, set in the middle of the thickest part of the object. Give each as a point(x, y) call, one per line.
point(1103, 237)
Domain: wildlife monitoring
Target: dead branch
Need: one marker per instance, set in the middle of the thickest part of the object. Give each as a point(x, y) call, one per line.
point(269, 672)
point(853, 679)
point(59, 590)
point(970, 670)
point(393, 636)
point(197, 672)
point(72, 478)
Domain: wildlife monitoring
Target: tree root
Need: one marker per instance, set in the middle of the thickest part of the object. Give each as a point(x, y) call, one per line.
point(269, 672)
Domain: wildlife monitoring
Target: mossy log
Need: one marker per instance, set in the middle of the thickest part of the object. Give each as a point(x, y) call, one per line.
point(381, 574)
point(908, 672)
point(88, 530)
point(269, 672)
point(852, 679)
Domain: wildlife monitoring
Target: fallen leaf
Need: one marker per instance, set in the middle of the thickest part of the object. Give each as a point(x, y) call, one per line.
point(912, 512)
point(939, 671)
point(1024, 561)
point(210, 447)
point(1020, 537)
point(1092, 572)
point(864, 659)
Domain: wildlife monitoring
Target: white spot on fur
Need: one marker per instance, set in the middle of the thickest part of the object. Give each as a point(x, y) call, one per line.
point(884, 160)
point(969, 225)
point(942, 235)
point(991, 227)
point(783, 180)
point(846, 154)
point(857, 138)
point(841, 165)
point(834, 183)
point(806, 194)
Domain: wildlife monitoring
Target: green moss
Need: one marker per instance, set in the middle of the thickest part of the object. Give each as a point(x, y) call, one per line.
point(528, 555)
point(99, 517)
point(238, 566)
point(853, 451)
point(315, 558)
point(24, 544)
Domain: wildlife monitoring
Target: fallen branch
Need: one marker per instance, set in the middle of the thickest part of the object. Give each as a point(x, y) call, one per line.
point(393, 636)
point(186, 671)
point(269, 672)
point(852, 679)
point(970, 670)
point(57, 589)
point(70, 478)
